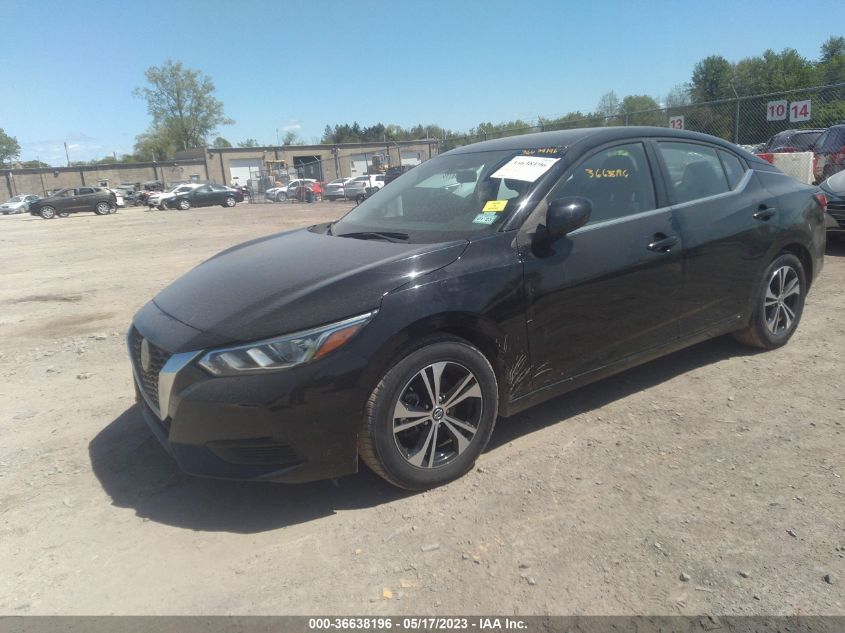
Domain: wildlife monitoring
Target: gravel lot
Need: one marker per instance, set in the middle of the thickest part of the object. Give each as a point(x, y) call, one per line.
point(709, 481)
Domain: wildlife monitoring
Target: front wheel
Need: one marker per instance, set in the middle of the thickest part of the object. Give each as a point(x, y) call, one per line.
point(230, 202)
point(184, 205)
point(430, 415)
point(102, 208)
point(779, 304)
point(281, 197)
point(48, 213)
point(63, 214)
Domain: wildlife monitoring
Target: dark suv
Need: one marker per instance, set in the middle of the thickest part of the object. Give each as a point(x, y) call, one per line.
point(62, 203)
point(393, 173)
point(829, 152)
point(793, 141)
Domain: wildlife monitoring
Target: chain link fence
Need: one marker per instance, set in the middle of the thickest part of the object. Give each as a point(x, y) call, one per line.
point(745, 120)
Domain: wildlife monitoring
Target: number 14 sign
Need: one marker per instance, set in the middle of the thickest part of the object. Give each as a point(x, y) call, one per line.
point(797, 111)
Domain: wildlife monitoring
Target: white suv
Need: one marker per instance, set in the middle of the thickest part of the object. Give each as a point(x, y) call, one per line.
point(359, 185)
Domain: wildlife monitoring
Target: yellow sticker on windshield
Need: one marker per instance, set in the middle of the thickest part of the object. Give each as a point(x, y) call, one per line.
point(495, 205)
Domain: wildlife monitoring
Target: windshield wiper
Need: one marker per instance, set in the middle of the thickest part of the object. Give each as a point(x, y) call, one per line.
point(377, 235)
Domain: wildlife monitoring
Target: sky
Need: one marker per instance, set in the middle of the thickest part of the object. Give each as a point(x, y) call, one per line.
point(300, 65)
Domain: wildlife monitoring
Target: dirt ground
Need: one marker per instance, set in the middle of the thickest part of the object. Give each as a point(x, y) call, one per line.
point(717, 464)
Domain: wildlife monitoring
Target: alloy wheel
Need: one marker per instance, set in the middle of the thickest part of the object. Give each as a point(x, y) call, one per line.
point(437, 414)
point(783, 295)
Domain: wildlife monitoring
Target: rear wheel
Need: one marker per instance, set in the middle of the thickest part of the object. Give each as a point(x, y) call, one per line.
point(779, 304)
point(102, 208)
point(184, 204)
point(430, 415)
point(48, 213)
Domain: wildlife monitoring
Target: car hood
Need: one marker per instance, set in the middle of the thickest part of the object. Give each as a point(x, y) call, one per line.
point(835, 184)
point(11, 205)
point(295, 280)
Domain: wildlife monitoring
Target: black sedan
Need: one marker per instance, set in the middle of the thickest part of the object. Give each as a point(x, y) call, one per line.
point(206, 196)
point(484, 281)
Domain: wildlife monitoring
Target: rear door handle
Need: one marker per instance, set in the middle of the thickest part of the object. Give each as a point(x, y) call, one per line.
point(662, 243)
point(764, 213)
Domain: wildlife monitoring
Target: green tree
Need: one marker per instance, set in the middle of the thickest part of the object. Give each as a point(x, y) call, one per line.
point(291, 138)
point(9, 147)
point(711, 79)
point(642, 110)
point(34, 163)
point(831, 67)
point(608, 109)
point(155, 144)
point(678, 96)
point(248, 142)
point(220, 143)
point(182, 104)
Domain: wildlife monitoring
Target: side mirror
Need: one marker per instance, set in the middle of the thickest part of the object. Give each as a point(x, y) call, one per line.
point(564, 215)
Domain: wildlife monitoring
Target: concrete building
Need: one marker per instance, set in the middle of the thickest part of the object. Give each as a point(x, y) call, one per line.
point(258, 167)
point(320, 162)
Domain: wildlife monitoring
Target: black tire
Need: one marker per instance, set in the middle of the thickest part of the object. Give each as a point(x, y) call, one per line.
point(281, 197)
point(184, 204)
point(102, 208)
point(776, 314)
point(390, 454)
point(63, 214)
point(48, 212)
point(230, 202)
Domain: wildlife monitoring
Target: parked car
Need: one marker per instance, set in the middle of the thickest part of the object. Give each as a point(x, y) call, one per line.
point(829, 152)
point(205, 196)
point(393, 173)
point(119, 202)
point(834, 190)
point(336, 189)
point(63, 202)
point(159, 198)
point(792, 141)
point(280, 194)
point(17, 204)
point(308, 192)
point(362, 186)
point(398, 334)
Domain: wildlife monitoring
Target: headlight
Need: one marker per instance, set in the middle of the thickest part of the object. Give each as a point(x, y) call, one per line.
point(284, 351)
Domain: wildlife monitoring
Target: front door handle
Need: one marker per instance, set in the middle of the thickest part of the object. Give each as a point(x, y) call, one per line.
point(764, 213)
point(662, 243)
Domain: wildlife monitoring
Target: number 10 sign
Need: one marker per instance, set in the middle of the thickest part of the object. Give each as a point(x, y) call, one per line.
point(797, 111)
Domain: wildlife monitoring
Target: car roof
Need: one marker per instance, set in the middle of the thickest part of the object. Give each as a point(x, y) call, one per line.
point(585, 138)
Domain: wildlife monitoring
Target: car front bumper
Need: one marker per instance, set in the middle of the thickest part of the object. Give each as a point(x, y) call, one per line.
point(295, 425)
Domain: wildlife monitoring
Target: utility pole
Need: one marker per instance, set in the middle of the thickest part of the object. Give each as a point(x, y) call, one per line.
point(67, 155)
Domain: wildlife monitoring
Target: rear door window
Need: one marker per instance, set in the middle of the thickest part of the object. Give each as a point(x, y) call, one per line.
point(734, 169)
point(694, 171)
point(83, 191)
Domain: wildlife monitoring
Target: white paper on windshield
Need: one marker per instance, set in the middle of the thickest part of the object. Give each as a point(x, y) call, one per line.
point(527, 168)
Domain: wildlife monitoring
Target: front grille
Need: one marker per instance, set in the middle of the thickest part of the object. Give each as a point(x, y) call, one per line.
point(836, 209)
point(148, 378)
point(262, 450)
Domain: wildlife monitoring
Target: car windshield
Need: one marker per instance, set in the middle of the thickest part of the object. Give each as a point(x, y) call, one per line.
point(453, 196)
